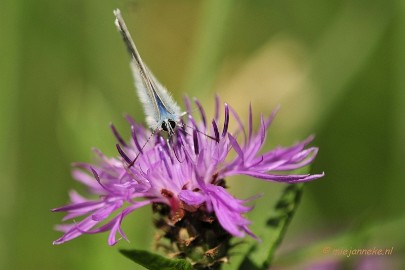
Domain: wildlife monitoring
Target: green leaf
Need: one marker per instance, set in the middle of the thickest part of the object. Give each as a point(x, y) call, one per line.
point(278, 223)
point(154, 261)
point(247, 263)
point(276, 227)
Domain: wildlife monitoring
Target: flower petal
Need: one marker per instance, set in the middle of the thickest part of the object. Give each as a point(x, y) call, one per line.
point(192, 198)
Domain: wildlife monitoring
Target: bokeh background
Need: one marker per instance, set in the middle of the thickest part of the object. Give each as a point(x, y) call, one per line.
point(335, 67)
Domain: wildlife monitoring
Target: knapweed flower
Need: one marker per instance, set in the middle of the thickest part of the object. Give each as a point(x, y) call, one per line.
point(183, 178)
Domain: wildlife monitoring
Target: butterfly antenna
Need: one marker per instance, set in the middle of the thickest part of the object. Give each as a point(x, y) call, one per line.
point(184, 130)
point(206, 135)
point(169, 145)
point(143, 146)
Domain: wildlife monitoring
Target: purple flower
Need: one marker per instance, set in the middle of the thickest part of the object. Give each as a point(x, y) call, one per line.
point(186, 173)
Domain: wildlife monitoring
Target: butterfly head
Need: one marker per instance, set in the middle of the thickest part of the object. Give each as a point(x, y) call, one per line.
point(169, 126)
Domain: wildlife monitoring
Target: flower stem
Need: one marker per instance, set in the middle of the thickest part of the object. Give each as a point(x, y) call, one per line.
point(285, 210)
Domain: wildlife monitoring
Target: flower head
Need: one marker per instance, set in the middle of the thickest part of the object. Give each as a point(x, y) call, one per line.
point(183, 177)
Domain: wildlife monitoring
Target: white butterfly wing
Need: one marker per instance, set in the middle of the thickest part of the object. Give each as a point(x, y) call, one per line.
point(148, 96)
point(158, 105)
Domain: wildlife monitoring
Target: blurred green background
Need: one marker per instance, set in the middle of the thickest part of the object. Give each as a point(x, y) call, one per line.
point(335, 67)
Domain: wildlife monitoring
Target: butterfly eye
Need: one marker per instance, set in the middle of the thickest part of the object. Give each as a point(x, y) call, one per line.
point(164, 127)
point(172, 124)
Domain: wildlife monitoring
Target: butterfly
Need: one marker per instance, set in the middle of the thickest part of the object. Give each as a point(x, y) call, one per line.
point(162, 112)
